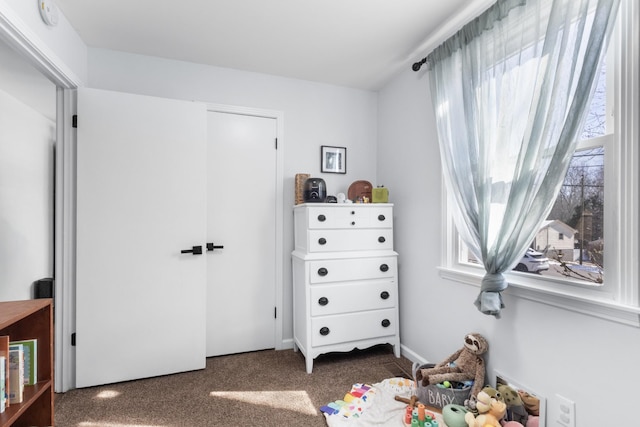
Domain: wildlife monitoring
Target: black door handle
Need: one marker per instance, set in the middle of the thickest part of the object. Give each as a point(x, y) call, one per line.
point(211, 246)
point(195, 250)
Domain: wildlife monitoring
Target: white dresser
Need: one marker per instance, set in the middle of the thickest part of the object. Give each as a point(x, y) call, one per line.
point(345, 278)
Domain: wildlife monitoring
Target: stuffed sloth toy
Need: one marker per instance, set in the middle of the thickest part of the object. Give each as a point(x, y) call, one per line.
point(463, 365)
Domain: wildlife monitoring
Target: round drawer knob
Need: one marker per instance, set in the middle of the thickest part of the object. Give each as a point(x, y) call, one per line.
point(385, 323)
point(322, 218)
point(323, 301)
point(353, 223)
point(381, 217)
point(384, 295)
point(324, 331)
point(323, 271)
point(384, 268)
point(322, 241)
point(381, 239)
point(353, 212)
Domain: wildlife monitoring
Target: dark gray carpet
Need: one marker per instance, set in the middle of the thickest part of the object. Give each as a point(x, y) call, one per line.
point(264, 388)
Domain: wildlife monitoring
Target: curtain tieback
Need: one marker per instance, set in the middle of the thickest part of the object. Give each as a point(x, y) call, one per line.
point(490, 300)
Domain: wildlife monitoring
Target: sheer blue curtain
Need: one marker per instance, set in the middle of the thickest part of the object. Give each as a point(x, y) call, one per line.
point(510, 91)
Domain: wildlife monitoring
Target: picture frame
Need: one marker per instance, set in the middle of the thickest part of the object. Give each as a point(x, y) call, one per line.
point(333, 159)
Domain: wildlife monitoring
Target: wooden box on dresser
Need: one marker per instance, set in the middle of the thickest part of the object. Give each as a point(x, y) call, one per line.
point(345, 278)
point(22, 320)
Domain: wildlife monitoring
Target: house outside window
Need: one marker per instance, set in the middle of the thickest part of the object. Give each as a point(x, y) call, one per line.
point(598, 200)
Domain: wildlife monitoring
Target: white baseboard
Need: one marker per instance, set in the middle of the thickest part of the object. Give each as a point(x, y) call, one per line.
point(285, 344)
point(412, 355)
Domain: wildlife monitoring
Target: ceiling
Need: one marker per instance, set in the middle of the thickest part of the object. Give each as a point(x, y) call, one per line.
point(354, 43)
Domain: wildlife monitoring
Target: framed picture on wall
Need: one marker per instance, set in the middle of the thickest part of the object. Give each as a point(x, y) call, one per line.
point(333, 159)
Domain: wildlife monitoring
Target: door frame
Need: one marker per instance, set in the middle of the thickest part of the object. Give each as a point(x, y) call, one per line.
point(278, 116)
point(15, 32)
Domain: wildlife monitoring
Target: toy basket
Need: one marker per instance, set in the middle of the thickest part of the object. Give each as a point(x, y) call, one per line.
point(438, 397)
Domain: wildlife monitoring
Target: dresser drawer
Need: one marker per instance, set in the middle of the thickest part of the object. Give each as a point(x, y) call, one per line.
point(337, 270)
point(361, 296)
point(369, 239)
point(341, 328)
point(350, 216)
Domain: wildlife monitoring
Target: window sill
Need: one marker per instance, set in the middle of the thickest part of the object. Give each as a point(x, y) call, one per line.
point(592, 304)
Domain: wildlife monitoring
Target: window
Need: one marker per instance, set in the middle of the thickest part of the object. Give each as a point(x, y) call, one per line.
point(598, 203)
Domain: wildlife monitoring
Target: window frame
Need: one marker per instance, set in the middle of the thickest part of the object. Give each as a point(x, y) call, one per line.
point(618, 298)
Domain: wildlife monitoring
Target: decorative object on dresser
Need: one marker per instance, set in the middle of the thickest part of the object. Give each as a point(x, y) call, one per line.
point(360, 191)
point(315, 190)
point(345, 286)
point(299, 183)
point(380, 194)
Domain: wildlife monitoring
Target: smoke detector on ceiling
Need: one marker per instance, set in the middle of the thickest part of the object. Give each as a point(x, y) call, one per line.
point(48, 12)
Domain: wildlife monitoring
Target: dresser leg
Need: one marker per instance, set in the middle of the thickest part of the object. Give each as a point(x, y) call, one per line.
point(396, 350)
point(309, 363)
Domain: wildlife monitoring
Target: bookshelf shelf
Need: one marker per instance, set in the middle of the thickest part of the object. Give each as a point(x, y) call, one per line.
point(22, 320)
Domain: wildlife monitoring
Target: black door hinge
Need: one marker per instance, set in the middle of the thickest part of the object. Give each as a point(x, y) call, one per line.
point(275, 312)
point(74, 121)
point(73, 339)
point(276, 143)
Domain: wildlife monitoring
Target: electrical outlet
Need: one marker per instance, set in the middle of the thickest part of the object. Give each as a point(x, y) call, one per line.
point(566, 412)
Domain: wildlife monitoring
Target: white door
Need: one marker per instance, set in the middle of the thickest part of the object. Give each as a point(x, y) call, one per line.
point(141, 199)
point(241, 217)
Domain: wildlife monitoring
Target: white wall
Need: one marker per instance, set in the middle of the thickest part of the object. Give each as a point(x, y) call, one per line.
point(26, 198)
point(60, 44)
point(550, 350)
point(314, 115)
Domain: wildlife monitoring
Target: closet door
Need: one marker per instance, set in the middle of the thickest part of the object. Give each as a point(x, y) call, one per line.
point(141, 201)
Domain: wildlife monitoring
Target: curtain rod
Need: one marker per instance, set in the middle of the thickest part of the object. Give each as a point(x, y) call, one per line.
point(449, 28)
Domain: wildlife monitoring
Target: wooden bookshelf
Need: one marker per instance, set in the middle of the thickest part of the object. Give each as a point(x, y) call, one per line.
point(22, 320)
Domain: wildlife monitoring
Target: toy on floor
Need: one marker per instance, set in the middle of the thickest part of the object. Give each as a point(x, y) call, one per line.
point(453, 415)
point(531, 403)
point(418, 416)
point(492, 417)
point(493, 392)
point(410, 402)
point(463, 365)
point(483, 402)
point(515, 407)
point(353, 404)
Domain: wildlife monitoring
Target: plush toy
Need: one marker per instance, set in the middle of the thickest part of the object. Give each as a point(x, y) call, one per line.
point(483, 402)
point(511, 424)
point(471, 404)
point(489, 419)
point(463, 365)
point(493, 393)
point(531, 403)
point(515, 408)
point(533, 421)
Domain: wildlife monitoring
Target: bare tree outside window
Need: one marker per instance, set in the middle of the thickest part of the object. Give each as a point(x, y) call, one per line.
point(580, 203)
